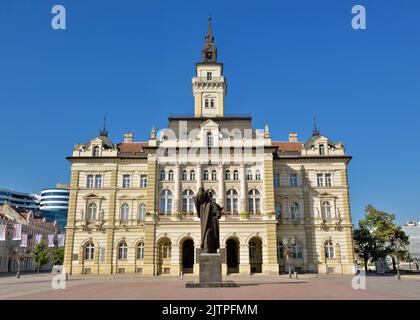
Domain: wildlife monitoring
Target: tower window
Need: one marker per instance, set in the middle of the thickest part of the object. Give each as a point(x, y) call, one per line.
point(208, 75)
point(206, 103)
point(212, 103)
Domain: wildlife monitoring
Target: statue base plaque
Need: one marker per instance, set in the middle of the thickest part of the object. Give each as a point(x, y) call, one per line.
point(211, 273)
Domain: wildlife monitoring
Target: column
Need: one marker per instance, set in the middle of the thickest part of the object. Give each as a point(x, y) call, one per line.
point(199, 176)
point(244, 266)
point(177, 191)
point(221, 198)
point(243, 192)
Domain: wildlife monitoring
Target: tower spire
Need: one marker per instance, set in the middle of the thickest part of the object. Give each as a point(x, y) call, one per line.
point(315, 131)
point(209, 51)
point(103, 132)
point(209, 37)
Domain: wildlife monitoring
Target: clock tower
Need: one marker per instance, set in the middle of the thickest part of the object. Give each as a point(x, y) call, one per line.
point(209, 85)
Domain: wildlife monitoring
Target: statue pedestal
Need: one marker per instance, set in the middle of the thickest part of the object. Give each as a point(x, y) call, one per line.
point(210, 273)
point(210, 267)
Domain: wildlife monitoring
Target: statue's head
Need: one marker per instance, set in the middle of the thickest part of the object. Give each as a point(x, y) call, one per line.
point(208, 196)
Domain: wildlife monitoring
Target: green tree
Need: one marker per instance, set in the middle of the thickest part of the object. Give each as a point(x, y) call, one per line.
point(365, 243)
point(41, 255)
point(378, 236)
point(57, 256)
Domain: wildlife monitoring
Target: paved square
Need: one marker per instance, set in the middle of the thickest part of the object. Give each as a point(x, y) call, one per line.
point(130, 286)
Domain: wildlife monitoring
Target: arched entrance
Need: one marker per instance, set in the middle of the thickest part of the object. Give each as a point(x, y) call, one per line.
point(232, 256)
point(188, 256)
point(255, 255)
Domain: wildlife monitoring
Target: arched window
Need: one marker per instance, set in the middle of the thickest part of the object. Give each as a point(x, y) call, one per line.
point(91, 211)
point(166, 250)
point(125, 210)
point(294, 210)
point(258, 175)
point(192, 175)
point(187, 201)
point(209, 139)
point(321, 149)
point(170, 175)
point(89, 251)
point(253, 250)
point(278, 210)
point(140, 251)
point(227, 175)
point(326, 210)
point(214, 175)
point(249, 175)
point(166, 201)
point(206, 175)
point(329, 249)
point(184, 175)
point(235, 175)
point(232, 201)
point(254, 201)
point(122, 251)
point(142, 211)
point(280, 249)
point(162, 175)
point(206, 103)
point(95, 152)
point(212, 103)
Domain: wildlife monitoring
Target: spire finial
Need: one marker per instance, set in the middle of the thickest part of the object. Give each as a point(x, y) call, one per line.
point(209, 30)
point(315, 131)
point(153, 133)
point(103, 132)
point(266, 131)
point(209, 37)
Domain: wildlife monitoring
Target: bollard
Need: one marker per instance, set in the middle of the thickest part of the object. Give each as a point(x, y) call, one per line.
point(181, 276)
point(296, 275)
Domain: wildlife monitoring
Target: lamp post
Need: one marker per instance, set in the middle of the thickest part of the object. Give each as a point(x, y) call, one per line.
point(397, 248)
point(288, 243)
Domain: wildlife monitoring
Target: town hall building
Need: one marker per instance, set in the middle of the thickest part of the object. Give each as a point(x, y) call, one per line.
point(286, 203)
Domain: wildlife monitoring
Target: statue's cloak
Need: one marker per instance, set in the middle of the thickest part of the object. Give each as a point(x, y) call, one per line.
point(209, 214)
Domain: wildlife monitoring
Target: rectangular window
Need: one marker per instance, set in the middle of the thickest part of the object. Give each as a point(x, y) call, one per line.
point(90, 181)
point(98, 181)
point(209, 75)
point(320, 179)
point(126, 181)
point(293, 180)
point(276, 180)
point(328, 180)
point(143, 181)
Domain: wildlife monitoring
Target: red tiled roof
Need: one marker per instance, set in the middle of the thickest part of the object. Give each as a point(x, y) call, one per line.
point(132, 147)
point(287, 146)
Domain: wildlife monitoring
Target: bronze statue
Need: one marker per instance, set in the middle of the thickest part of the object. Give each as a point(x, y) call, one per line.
point(209, 213)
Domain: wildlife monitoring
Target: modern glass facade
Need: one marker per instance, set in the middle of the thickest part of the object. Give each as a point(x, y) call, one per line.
point(54, 206)
point(412, 230)
point(20, 201)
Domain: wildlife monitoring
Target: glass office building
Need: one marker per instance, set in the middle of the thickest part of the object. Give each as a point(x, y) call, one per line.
point(23, 202)
point(54, 206)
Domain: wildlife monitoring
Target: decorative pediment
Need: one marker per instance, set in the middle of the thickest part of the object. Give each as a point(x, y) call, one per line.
point(293, 196)
point(93, 196)
point(209, 124)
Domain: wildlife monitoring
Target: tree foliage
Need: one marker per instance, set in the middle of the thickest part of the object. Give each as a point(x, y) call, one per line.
point(377, 236)
point(57, 256)
point(41, 255)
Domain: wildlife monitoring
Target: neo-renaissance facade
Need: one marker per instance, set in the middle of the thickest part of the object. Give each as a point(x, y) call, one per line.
point(286, 204)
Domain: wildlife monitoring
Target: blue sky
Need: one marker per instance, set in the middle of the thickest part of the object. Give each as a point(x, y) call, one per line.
point(286, 61)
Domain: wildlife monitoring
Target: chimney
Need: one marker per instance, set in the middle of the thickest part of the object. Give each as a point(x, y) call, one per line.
point(128, 137)
point(293, 137)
